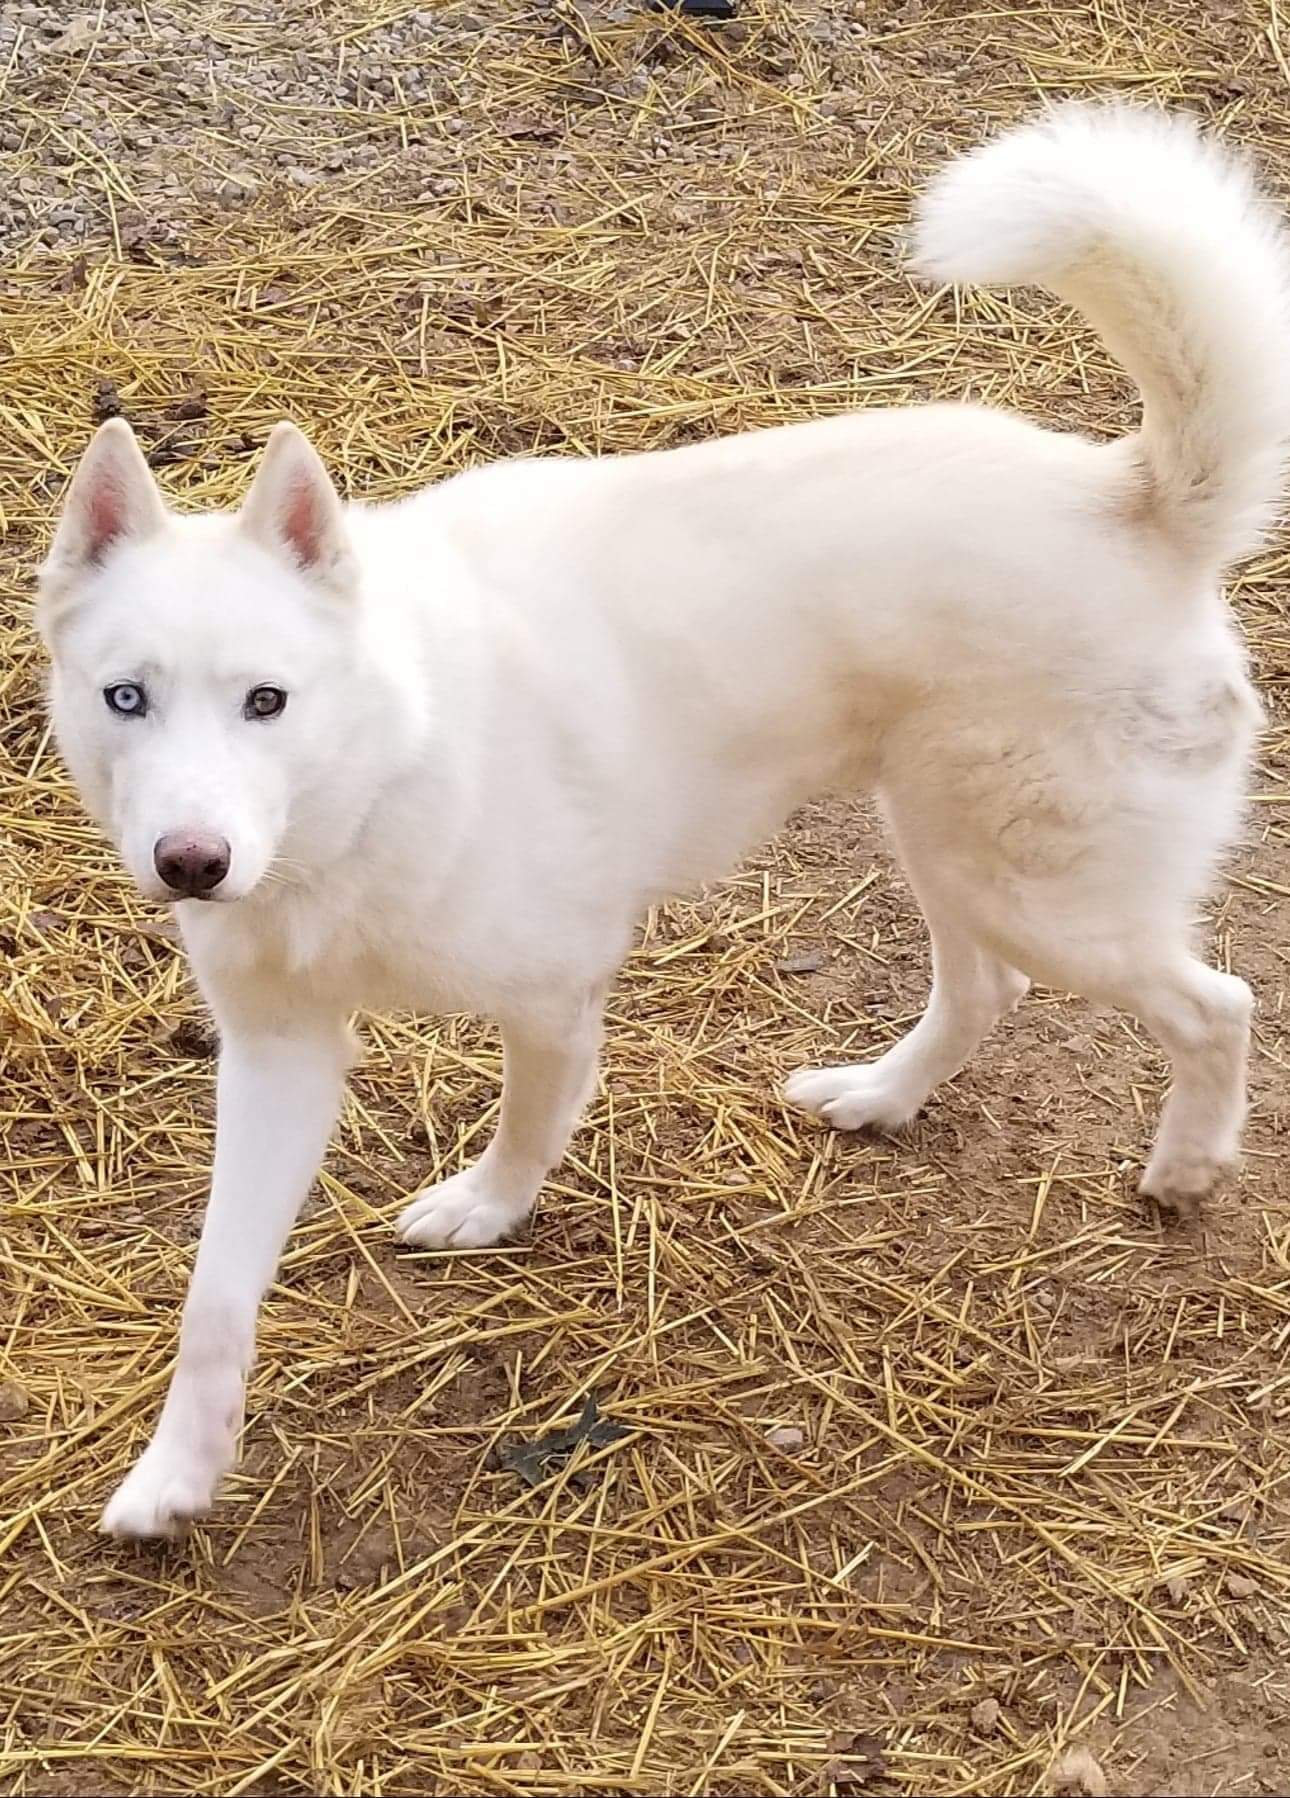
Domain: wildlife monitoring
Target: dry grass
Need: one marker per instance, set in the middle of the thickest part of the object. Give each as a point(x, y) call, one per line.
point(1043, 1456)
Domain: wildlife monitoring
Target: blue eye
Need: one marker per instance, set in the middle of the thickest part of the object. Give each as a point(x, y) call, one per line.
point(127, 698)
point(264, 702)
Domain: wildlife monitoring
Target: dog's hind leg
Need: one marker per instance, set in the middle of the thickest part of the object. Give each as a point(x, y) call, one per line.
point(1044, 863)
point(549, 1073)
point(1111, 919)
point(1201, 1019)
point(972, 988)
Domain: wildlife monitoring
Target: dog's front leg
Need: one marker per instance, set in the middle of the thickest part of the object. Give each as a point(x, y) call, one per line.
point(278, 1094)
point(549, 1072)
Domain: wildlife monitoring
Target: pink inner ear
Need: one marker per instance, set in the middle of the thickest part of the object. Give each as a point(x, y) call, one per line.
point(302, 520)
point(105, 515)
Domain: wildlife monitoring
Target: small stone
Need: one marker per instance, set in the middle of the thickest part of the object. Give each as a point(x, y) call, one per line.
point(240, 185)
point(788, 1438)
point(14, 1402)
point(1079, 1774)
point(810, 961)
point(1239, 1586)
point(985, 1716)
point(78, 36)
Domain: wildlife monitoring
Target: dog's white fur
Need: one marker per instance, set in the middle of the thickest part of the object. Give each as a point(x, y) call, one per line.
point(526, 704)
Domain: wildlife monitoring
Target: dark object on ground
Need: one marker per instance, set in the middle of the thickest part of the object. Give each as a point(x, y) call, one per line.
point(193, 1041)
point(536, 1461)
point(808, 962)
point(193, 404)
point(697, 9)
point(106, 402)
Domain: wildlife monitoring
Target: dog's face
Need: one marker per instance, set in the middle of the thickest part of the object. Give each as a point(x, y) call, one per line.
point(202, 687)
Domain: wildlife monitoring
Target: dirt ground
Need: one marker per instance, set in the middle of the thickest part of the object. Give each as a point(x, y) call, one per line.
point(950, 1468)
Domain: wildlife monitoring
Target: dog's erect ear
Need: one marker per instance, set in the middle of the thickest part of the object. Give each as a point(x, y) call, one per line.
point(112, 500)
point(293, 509)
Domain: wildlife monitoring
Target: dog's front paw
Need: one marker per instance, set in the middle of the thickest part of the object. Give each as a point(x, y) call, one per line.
point(165, 1490)
point(853, 1098)
point(469, 1211)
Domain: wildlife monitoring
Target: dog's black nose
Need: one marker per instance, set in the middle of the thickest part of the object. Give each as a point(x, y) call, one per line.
point(191, 863)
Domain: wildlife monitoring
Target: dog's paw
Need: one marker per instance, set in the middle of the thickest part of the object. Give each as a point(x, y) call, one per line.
point(853, 1098)
point(465, 1212)
point(161, 1495)
point(1178, 1179)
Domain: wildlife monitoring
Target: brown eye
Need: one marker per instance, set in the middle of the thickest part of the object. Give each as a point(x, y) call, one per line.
point(264, 702)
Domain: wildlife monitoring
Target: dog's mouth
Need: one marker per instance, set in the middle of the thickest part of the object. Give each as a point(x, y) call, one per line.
point(173, 896)
point(267, 887)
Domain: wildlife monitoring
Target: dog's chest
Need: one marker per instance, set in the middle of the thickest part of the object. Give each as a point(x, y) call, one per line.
point(347, 951)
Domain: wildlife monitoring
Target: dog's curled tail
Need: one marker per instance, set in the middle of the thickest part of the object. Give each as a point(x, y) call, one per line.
point(1159, 237)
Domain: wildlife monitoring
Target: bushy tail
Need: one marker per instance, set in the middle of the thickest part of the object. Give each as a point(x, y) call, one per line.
point(1160, 238)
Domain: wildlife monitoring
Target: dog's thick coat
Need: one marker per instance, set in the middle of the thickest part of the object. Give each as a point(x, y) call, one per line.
point(521, 707)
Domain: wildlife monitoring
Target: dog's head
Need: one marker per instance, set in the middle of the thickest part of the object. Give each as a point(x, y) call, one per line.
point(203, 687)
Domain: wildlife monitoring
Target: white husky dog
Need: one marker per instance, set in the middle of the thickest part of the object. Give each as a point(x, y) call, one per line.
point(443, 753)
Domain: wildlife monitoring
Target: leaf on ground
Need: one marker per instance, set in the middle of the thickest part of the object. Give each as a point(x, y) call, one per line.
point(535, 1461)
point(857, 1759)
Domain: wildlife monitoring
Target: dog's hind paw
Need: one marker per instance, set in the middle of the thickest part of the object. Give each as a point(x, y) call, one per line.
point(464, 1212)
point(1179, 1179)
point(853, 1098)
